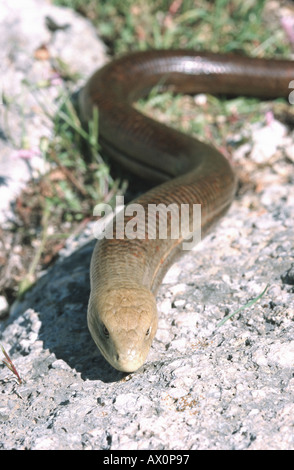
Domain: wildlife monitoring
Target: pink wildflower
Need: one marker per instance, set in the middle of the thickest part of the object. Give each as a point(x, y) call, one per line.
point(26, 154)
point(287, 23)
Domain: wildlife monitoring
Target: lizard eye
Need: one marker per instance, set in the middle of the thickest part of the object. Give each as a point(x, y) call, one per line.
point(105, 331)
point(148, 331)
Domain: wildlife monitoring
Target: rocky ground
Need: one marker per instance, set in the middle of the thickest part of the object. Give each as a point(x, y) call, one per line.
point(202, 387)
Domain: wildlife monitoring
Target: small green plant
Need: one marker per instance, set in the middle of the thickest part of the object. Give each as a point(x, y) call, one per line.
point(219, 26)
point(251, 302)
point(8, 363)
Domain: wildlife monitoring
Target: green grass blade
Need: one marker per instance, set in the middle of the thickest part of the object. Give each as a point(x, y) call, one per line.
point(251, 302)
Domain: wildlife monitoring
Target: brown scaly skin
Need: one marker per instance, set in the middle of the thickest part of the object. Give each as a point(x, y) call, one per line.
point(125, 274)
